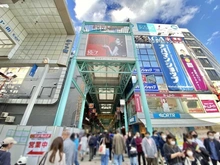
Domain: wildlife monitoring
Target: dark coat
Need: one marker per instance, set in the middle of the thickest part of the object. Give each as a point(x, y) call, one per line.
point(217, 147)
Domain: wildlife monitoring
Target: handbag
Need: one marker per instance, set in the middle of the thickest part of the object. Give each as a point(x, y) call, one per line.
point(43, 160)
point(102, 148)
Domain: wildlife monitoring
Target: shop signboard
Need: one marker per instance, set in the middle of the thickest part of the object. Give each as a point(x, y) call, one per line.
point(171, 95)
point(133, 119)
point(175, 76)
point(210, 106)
point(137, 102)
point(38, 143)
point(149, 70)
point(191, 67)
point(166, 115)
point(106, 45)
point(149, 87)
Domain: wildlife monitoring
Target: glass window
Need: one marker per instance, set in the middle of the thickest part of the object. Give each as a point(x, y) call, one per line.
point(141, 45)
point(148, 46)
point(164, 105)
point(150, 51)
point(187, 34)
point(213, 75)
point(205, 62)
point(146, 64)
point(192, 106)
point(143, 51)
point(159, 79)
point(152, 58)
point(154, 64)
point(145, 57)
point(192, 43)
point(198, 52)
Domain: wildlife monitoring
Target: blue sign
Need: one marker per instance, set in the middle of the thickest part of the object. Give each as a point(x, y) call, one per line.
point(172, 70)
point(146, 27)
point(33, 70)
point(149, 87)
point(149, 70)
point(166, 115)
point(132, 120)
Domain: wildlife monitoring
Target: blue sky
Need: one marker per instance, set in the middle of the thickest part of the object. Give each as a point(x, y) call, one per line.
point(201, 17)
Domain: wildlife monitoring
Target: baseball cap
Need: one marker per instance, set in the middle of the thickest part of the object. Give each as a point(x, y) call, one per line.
point(9, 140)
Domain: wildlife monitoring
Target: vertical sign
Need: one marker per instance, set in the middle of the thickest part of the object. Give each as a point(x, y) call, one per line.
point(210, 106)
point(191, 67)
point(38, 143)
point(171, 66)
point(137, 103)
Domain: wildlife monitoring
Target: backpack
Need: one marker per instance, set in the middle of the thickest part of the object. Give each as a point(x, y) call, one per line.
point(92, 141)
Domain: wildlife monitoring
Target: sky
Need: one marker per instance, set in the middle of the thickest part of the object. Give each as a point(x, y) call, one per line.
point(201, 17)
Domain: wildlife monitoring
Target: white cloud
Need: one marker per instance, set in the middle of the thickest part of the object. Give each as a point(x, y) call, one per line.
point(215, 8)
point(214, 36)
point(136, 10)
point(202, 17)
point(92, 10)
point(209, 1)
point(187, 15)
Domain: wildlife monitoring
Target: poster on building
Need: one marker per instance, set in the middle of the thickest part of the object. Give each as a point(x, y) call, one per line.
point(148, 87)
point(210, 106)
point(137, 103)
point(38, 143)
point(173, 72)
point(106, 45)
point(191, 67)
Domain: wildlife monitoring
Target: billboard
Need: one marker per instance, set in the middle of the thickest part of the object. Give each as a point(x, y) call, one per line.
point(191, 67)
point(148, 87)
point(174, 74)
point(157, 29)
point(209, 106)
point(106, 45)
point(149, 70)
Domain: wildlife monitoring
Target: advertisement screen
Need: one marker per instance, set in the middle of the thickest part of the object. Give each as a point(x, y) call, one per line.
point(191, 67)
point(171, 66)
point(106, 45)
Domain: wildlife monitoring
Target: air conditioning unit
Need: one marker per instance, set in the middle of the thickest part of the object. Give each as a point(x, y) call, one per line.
point(10, 119)
point(4, 114)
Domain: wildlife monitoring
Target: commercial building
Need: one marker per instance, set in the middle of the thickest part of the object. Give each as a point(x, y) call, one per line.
point(34, 34)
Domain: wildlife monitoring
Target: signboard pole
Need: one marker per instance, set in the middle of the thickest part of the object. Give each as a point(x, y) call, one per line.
point(142, 90)
point(66, 89)
point(34, 96)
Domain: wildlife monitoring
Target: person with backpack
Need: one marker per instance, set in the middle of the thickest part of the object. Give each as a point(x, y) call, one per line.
point(91, 144)
point(6, 145)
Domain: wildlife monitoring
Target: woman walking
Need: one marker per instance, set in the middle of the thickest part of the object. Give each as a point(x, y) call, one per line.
point(106, 140)
point(84, 146)
point(55, 156)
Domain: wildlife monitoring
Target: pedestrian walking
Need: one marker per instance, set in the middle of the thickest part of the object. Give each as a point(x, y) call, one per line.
point(107, 141)
point(55, 155)
point(83, 146)
point(5, 155)
point(69, 148)
point(190, 158)
point(91, 144)
point(118, 148)
point(150, 149)
point(75, 138)
point(138, 142)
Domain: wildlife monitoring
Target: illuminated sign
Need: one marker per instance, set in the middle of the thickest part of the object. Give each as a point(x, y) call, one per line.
point(166, 115)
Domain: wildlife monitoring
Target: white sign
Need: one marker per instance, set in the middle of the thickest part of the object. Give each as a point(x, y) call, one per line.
point(38, 143)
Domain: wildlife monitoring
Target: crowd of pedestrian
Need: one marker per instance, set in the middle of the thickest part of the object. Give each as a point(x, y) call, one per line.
point(159, 149)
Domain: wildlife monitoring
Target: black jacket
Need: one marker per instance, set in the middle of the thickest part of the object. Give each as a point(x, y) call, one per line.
point(217, 147)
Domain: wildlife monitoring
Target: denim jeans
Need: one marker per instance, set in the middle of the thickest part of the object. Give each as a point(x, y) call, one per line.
point(117, 159)
point(76, 158)
point(105, 158)
point(133, 160)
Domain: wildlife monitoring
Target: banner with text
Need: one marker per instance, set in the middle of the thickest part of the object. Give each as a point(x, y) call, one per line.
point(191, 67)
point(210, 106)
point(174, 74)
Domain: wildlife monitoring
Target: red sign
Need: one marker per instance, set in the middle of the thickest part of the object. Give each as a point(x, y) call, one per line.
point(137, 102)
point(35, 153)
point(40, 135)
point(210, 106)
point(106, 45)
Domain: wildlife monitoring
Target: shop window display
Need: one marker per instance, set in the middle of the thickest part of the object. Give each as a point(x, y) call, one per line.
point(192, 106)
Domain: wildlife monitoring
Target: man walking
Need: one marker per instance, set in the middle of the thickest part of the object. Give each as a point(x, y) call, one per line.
point(91, 144)
point(69, 148)
point(150, 149)
point(118, 148)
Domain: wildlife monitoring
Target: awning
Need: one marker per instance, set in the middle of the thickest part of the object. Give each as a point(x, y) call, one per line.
point(183, 122)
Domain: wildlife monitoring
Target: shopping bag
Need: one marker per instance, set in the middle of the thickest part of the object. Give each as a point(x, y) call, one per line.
point(102, 149)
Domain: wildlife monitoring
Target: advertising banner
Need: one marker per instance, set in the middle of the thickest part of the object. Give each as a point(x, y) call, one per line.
point(171, 66)
point(137, 102)
point(149, 70)
point(149, 87)
point(106, 45)
point(191, 67)
point(38, 143)
point(166, 115)
point(157, 29)
point(209, 106)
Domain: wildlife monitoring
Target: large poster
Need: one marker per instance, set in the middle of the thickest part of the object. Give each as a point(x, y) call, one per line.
point(209, 106)
point(171, 66)
point(106, 45)
point(191, 67)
